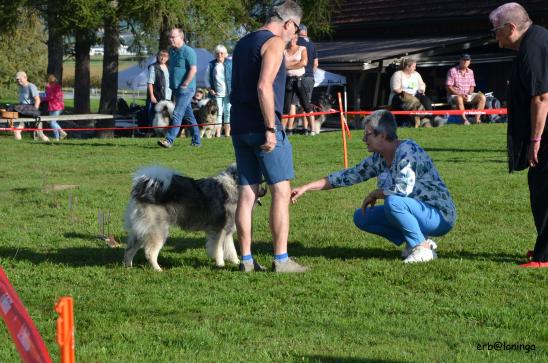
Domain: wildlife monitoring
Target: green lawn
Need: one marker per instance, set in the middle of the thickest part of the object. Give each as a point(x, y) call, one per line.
point(359, 303)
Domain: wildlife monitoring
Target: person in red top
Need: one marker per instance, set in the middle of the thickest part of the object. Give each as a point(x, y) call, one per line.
point(56, 105)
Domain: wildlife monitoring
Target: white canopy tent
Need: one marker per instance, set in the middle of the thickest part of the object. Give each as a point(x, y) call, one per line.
point(135, 77)
point(324, 78)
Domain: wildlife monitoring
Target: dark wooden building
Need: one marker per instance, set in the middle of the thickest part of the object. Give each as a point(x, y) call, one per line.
point(371, 37)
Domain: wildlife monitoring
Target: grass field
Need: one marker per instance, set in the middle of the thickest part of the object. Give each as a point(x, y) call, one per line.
point(359, 303)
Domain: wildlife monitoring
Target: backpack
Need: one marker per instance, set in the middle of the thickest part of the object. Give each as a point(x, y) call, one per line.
point(492, 102)
point(27, 110)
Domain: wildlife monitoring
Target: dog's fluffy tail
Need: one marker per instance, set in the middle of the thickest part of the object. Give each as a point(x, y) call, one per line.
point(150, 184)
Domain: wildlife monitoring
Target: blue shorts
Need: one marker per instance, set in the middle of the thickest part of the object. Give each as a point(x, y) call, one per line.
point(254, 163)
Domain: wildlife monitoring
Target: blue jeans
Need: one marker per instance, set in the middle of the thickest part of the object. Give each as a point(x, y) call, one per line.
point(183, 109)
point(54, 125)
point(224, 110)
point(402, 219)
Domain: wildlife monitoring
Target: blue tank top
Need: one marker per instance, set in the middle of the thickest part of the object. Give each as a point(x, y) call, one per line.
point(245, 114)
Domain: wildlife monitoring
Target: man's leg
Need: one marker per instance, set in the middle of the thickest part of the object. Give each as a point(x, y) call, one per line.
point(279, 215)
point(195, 130)
point(244, 216)
point(17, 132)
point(459, 102)
point(184, 95)
point(479, 102)
point(538, 188)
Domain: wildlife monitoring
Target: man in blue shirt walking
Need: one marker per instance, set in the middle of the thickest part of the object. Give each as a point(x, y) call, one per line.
point(182, 72)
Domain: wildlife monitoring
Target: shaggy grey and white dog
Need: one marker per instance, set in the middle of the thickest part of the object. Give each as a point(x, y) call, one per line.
point(164, 111)
point(161, 198)
point(207, 117)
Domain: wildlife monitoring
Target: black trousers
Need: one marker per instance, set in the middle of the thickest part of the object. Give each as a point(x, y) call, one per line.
point(538, 189)
point(294, 85)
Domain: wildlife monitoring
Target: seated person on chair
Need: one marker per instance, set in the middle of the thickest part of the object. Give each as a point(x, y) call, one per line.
point(407, 91)
point(460, 85)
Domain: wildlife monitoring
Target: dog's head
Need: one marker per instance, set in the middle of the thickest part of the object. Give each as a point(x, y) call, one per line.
point(211, 107)
point(165, 107)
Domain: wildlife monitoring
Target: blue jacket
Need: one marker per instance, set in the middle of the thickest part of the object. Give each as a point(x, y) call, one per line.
point(228, 75)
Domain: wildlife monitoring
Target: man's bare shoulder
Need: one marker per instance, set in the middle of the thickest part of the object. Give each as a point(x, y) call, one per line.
point(273, 45)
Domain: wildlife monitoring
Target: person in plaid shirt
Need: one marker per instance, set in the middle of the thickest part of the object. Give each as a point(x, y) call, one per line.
point(460, 85)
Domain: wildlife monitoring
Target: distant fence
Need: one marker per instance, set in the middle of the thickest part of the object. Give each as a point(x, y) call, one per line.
point(95, 93)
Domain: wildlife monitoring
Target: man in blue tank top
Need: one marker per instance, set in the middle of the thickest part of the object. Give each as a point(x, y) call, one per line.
point(182, 72)
point(261, 146)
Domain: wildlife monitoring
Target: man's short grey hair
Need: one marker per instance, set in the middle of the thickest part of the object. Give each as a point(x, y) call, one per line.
point(181, 32)
point(383, 122)
point(282, 11)
point(511, 13)
point(20, 74)
point(219, 48)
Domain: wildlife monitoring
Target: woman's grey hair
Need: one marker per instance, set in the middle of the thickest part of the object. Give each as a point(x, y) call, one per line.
point(283, 11)
point(219, 48)
point(406, 62)
point(383, 122)
point(511, 13)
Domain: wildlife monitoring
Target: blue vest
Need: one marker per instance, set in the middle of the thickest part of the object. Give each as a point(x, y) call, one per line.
point(228, 74)
point(245, 114)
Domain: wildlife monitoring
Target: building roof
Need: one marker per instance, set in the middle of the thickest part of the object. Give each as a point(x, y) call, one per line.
point(366, 53)
point(398, 13)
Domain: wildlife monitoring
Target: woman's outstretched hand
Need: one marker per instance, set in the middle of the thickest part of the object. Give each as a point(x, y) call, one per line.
point(296, 193)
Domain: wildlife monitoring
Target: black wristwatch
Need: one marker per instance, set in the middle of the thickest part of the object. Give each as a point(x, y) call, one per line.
point(271, 129)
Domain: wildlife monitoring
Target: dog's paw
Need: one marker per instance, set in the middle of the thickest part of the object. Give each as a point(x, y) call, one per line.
point(235, 261)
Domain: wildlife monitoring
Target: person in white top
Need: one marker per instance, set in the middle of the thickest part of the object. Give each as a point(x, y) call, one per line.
point(296, 59)
point(408, 91)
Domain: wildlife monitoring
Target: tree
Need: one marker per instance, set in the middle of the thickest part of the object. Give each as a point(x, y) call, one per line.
point(55, 39)
point(109, 80)
point(27, 52)
point(82, 19)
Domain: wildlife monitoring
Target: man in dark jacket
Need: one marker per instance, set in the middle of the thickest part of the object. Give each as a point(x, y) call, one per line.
point(527, 112)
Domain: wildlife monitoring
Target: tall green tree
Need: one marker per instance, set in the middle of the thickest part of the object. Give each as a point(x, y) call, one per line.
point(109, 80)
point(26, 52)
point(83, 19)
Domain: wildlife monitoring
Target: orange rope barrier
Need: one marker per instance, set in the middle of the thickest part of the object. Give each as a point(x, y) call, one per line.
point(344, 125)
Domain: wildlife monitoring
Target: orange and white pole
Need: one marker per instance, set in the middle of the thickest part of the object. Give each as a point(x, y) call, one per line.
point(344, 130)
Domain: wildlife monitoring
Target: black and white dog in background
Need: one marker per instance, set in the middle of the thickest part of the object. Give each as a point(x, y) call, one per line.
point(162, 117)
point(161, 198)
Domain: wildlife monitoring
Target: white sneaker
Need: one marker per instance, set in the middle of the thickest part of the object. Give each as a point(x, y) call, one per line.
point(407, 251)
point(421, 254)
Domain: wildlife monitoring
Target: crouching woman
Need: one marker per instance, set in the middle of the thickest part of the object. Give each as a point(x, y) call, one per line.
point(417, 203)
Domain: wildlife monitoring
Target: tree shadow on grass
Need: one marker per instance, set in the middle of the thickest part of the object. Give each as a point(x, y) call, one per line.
point(467, 150)
point(475, 161)
point(328, 359)
point(484, 256)
point(94, 144)
point(105, 256)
